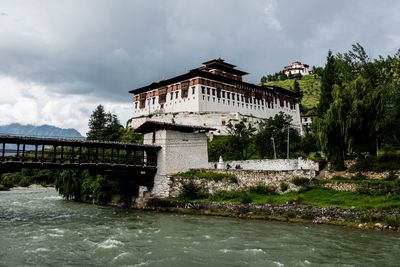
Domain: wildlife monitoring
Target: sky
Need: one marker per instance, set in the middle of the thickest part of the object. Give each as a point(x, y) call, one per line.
point(60, 59)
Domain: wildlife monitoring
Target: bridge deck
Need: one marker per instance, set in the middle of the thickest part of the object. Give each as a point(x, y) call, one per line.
point(50, 153)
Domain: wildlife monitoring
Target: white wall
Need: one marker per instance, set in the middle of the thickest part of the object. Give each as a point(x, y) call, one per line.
point(199, 102)
point(216, 120)
point(179, 153)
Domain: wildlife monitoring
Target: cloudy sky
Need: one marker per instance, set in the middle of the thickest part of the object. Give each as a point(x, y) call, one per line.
point(60, 59)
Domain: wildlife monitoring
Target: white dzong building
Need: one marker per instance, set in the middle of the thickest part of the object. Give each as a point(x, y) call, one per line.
point(212, 96)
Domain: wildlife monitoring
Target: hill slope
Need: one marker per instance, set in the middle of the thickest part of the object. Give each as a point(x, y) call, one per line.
point(310, 86)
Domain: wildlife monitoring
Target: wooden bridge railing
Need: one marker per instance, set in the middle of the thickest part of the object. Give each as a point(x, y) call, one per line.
point(58, 153)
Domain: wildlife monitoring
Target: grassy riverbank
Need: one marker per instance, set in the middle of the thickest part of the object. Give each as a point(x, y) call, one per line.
point(370, 203)
point(379, 219)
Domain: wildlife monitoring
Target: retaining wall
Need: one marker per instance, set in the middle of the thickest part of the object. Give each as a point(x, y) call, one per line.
point(273, 164)
point(245, 179)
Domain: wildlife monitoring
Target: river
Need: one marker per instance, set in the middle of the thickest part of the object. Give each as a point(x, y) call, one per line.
point(39, 228)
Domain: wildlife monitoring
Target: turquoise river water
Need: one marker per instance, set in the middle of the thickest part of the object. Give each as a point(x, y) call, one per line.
point(39, 228)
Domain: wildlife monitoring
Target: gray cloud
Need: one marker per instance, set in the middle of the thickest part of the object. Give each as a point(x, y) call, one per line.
point(100, 49)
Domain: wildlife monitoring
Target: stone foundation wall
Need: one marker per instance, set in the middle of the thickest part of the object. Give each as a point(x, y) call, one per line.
point(273, 164)
point(349, 175)
point(245, 179)
point(351, 187)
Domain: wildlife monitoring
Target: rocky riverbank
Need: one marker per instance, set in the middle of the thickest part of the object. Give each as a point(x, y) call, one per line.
point(362, 219)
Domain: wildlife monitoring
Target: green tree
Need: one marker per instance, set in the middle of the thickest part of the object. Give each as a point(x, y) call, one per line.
point(276, 128)
point(242, 133)
point(68, 184)
point(130, 136)
point(263, 79)
point(296, 87)
point(97, 124)
point(327, 82)
point(332, 129)
point(104, 126)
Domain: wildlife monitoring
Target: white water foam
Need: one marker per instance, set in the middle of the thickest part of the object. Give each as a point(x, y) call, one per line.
point(122, 255)
point(254, 250)
point(225, 250)
point(110, 243)
point(55, 235)
point(52, 197)
point(279, 264)
point(38, 250)
point(143, 263)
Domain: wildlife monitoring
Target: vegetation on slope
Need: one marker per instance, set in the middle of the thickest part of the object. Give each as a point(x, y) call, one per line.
point(310, 87)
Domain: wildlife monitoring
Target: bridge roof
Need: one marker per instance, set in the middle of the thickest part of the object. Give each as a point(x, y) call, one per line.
point(73, 143)
point(151, 126)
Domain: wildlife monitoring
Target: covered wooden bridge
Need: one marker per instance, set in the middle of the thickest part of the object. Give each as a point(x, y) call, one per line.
point(50, 153)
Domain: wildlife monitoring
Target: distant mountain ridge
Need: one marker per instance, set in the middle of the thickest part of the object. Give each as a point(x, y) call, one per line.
point(40, 131)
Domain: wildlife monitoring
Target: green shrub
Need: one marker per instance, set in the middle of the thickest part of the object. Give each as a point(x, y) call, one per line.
point(385, 162)
point(393, 221)
point(3, 188)
point(296, 200)
point(262, 190)
point(102, 190)
point(159, 202)
point(362, 165)
point(283, 186)
point(389, 156)
point(209, 176)
point(24, 182)
point(301, 181)
point(233, 195)
point(190, 190)
point(371, 217)
point(290, 214)
point(359, 177)
point(391, 176)
point(246, 198)
point(10, 180)
point(307, 215)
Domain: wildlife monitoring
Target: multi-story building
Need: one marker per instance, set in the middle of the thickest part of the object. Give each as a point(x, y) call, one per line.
point(296, 68)
point(212, 95)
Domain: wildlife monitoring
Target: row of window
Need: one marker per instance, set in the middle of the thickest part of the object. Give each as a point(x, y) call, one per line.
point(228, 102)
point(142, 104)
point(242, 98)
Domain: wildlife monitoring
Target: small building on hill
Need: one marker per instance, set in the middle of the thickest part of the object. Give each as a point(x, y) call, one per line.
point(296, 68)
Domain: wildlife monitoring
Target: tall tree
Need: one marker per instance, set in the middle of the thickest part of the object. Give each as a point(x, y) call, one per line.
point(296, 87)
point(104, 126)
point(242, 134)
point(276, 128)
point(332, 129)
point(327, 82)
point(97, 124)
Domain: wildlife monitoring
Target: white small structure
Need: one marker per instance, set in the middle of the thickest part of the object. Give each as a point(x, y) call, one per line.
point(221, 163)
point(182, 147)
point(296, 68)
point(306, 121)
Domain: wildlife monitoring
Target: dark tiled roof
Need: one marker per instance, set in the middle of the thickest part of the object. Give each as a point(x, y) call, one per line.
point(151, 126)
point(207, 75)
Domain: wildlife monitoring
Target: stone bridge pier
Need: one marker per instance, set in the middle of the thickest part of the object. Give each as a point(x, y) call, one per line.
point(183, 147)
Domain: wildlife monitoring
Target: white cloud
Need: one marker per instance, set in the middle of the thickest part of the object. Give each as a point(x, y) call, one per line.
point(270, 15)
point(59, 59)
point(30, 103)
